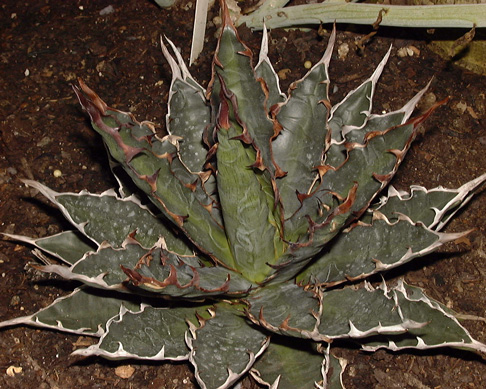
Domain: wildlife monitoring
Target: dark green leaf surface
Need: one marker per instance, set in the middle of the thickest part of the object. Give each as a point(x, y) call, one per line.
point(189, 113)
point(291, 363)
point(233, 63)
point(85, 311)
point(150, 334)
point(225, 347)
point(147, 159)
point(365, 249)
point(433, 207)
point(442, 329)
point(284, 308)
point(246, 196)
point(154, 270)
point(300, 146)
point(69, 246)
point(101, 213)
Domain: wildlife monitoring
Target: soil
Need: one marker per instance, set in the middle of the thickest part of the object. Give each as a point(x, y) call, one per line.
point(46, 45)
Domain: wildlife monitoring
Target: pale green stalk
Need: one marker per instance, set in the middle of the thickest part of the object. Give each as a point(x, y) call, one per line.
point(275, 15)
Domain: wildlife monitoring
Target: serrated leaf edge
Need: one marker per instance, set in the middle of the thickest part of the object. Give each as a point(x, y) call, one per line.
point(30, 320)
point(95, 349)
point(232, 376)
point(421, 345)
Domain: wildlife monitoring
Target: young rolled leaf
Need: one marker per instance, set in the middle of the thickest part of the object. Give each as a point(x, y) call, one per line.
point(251, 218)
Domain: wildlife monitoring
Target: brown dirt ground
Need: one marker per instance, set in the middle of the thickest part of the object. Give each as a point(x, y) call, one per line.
point(46, 44)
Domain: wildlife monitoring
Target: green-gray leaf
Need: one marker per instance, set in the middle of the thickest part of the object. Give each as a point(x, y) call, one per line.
point(225, 347)
point(84, 312)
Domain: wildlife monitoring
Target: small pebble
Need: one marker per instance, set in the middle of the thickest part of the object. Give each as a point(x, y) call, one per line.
point(124, 371)
point(107, 10)
point(343, 51)
point(12, 370)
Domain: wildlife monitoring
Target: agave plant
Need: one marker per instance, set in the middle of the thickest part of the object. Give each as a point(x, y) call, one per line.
point(253, 223)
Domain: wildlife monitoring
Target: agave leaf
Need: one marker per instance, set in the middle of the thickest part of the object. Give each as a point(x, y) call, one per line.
point(264, 70)
point(147, 159)
point(154, 270)
point(289, 364)
point(433, 207)
point(68, 246)
point(224, 347)
point(365, 249)
point(101, 269)
point(334, 370)
point(299, 254)
point(97, 216)
point(176, 276)
point(371, 165)
point(368, 168)
point(251, 220)
point(285, 307)
point(353, 111)
point(442, 329)
point(189, 115)
point(189, 118)
point(232, 66)
point(335, 156)
point(149, 333)
point(300, 145)
point(368, 312)
point(85, 311)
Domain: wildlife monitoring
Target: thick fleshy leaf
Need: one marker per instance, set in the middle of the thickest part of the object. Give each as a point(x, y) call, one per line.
point(225, 347)
point(68, 246)
point(285, 307)
point(264, 70)
point(433, 207)
point(367, 170)
point(300, 145)
point(314, 206)
point(154, 270)
point(334, 371)
point(189, 114)
point(251, 218)
point(381, 311)
point(176, 276)
point(149, 334)
point(232, 66)
point(442, 329)
point(290, 364)
point(353, 111)
point(84, 312)
point(148, 159)
point(365, 249)
point(97, 216)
